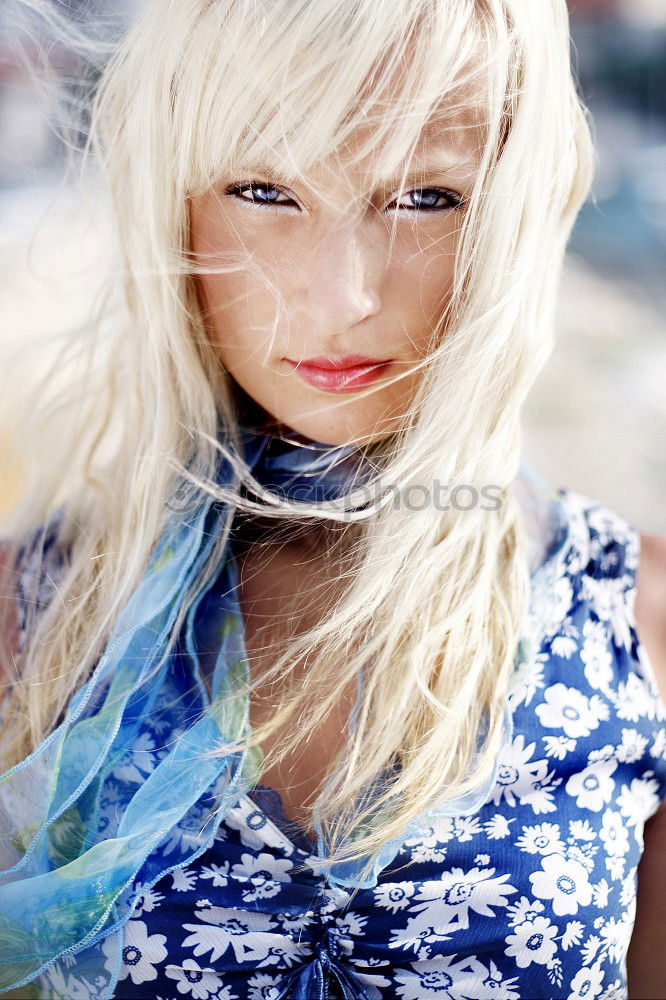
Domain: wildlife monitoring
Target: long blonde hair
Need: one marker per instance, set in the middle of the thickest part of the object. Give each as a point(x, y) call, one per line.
point(434, 604)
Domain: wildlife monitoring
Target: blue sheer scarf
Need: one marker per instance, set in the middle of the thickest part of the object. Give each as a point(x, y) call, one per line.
point(102, 808)
point(98, 807)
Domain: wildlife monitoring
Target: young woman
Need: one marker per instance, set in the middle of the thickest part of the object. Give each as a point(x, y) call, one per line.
point(313, 689)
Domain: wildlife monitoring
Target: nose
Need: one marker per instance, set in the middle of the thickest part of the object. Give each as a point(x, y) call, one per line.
point(341, 288)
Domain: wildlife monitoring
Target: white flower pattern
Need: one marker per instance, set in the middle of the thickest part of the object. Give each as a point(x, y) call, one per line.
point(533, 941)
point(564, 881)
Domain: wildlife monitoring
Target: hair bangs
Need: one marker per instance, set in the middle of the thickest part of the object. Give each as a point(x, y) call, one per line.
point(324, 82)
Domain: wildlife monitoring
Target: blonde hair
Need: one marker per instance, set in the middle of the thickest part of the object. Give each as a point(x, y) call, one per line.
point(434, 602)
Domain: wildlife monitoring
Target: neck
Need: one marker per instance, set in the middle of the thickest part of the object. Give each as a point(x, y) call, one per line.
point(310, 538)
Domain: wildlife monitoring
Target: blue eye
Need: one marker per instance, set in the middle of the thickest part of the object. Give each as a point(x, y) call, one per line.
point(432, 199)
point(261, 193)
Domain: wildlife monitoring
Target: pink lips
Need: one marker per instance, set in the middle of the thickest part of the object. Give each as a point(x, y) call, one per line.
point(348, 374)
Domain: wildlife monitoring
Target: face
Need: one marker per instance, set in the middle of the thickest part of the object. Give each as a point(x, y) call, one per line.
point(329, 345)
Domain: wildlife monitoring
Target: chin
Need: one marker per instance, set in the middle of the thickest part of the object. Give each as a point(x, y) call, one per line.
point(359, 421)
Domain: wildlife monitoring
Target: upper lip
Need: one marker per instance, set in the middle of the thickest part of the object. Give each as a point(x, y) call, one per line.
point(338, 364)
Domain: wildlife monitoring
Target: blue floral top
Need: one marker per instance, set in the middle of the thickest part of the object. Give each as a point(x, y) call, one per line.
point(531, 896)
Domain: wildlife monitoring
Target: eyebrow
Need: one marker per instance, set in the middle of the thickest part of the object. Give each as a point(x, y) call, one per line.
point(444, 163)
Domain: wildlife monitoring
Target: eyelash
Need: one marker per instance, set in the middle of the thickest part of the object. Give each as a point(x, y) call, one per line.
point(453, 200)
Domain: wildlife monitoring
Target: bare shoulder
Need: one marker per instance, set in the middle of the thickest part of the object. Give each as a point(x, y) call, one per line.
point(650, 608)
point(646, 959)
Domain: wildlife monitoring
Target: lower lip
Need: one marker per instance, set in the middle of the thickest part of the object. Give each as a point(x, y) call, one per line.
point(340, 379)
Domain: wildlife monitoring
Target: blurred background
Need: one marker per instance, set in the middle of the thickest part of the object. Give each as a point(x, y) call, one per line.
point(596, 421)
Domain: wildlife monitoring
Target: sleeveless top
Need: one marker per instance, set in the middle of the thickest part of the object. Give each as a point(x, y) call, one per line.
point(532, 895)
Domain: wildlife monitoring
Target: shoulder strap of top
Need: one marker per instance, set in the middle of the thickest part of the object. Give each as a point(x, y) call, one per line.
point(606, 557)
point(40, 564)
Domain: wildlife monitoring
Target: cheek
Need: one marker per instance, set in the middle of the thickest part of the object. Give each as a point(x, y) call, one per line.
point(240, 316)
point(238, 307)
point(418, 288)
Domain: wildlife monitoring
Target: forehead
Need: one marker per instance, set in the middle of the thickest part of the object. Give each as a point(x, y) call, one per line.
point(452, 141)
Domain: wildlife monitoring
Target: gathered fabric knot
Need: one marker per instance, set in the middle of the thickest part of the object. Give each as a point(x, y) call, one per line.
point(324, 977)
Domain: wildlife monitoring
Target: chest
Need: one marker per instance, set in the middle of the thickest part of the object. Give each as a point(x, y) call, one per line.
point(282, 591)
